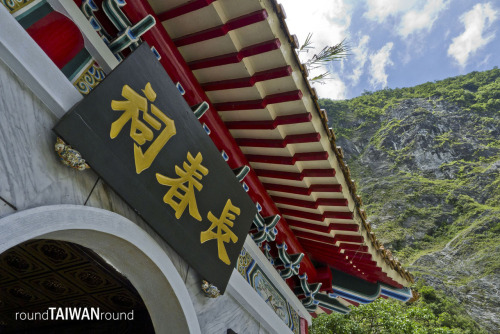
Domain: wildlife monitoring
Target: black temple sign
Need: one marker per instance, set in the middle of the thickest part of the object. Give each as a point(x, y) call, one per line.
point(138, 133)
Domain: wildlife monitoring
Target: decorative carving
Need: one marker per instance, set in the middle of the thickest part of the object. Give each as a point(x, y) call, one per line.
point(253, 274)
point(267, 253)
point(122, 301)
point(90, 278)
point(54, 286)
point(69, 156)
point(307, 292)
point(54, 252)
point(210, 290)
point(244, 261)
point(43, 273)
point(16, 262)
point(266, 228)
point(20, 293)
point(90, 78)
point(15, 5)
point(290, 264)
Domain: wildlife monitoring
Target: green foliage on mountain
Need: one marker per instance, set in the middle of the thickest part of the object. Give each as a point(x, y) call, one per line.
point(433, 313)
point(427, 164)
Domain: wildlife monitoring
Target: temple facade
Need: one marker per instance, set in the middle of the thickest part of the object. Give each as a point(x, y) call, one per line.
point(166, 168)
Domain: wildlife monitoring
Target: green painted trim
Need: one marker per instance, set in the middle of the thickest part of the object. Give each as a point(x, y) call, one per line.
point(112, 10)
point(240, 172)
point(199, 110)
point(35, 14)
point(331, 304)
point(354, 284)
point(75, 65)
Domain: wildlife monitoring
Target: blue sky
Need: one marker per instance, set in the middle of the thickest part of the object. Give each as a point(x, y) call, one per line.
point(398, 43)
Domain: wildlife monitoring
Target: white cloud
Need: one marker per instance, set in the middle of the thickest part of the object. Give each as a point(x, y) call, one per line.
point(333, 88)
point(359, 56)
point(412, 15)
point(476, 22)
point(379, 10)
point(329, 21)
point(417, 20)
point(378, 63)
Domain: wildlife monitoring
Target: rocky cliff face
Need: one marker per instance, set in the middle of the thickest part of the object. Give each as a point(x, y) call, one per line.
point(428, 169)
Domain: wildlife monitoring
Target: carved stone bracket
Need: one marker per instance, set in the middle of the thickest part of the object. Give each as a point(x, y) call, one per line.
point(210, 290)
point(69, 156)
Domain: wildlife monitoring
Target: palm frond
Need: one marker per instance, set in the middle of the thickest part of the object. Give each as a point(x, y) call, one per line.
point(338, 51)
point(319, 78)
point(307, 44)
point(328, 54)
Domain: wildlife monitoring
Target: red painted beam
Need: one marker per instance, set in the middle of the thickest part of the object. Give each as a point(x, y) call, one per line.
point(281, 160)
point(271, 159)
point(332, 201)
point(223, 29)
point(274, 73)
point(303, 191)
point(311, 156)
point(235, 57)
point(364, 262)
point(349, 238)
point(319, 217)
point(338, 215)
point(367, 268)
point(344, 227)
point(319, 172)
point(275, 174)
point(322, 228)
point(326, 188)
point(358, 255)
point(178, 71)
point(294, 202)
point(271, 124)
point(354, 247)
point(280, 143)
point(287, 189)
point(303, 214)
point(259, 104)
point(320, 247)
point(185, 8)
point(315, 237)
point(304, 326)
point(310, 204)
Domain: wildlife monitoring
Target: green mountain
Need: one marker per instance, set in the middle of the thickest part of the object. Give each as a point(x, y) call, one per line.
point(427, 160)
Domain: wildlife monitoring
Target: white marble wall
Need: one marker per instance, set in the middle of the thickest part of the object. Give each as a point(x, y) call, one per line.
point(32, 176)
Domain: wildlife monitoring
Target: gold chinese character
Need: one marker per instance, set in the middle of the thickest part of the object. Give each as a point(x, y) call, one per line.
point(224, 233)
point(139, 131)
point(191, 175)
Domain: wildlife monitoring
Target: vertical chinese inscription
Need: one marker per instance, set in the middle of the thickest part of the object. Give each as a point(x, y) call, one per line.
point(144, 130)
